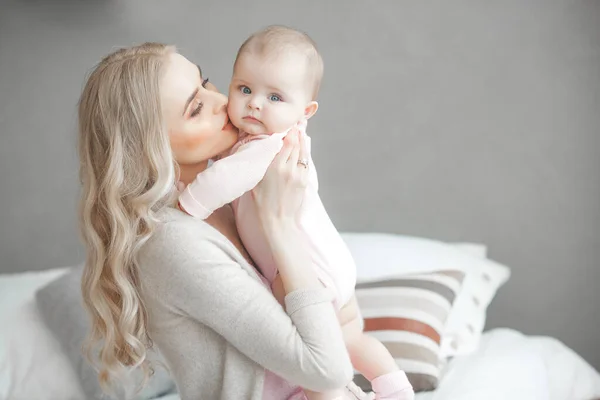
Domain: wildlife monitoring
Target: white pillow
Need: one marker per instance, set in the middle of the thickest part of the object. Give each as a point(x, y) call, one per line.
point(466, 321)
point(478, 250)
point(381, 255)
point(32, 364)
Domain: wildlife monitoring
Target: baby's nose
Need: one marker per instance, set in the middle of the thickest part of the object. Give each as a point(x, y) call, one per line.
point(254, 104)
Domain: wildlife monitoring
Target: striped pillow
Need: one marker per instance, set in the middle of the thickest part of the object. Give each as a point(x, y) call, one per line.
point(407, 314)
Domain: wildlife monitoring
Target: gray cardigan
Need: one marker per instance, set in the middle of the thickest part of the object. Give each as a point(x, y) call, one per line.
point(218, 327)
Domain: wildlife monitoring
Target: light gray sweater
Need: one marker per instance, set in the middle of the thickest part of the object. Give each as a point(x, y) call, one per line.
point(218, 327)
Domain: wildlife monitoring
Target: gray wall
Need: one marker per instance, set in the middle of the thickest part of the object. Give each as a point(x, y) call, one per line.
point(471, 122)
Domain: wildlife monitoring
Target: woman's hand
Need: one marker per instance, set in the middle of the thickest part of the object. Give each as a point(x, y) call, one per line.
point(279, 195)
point(278, 199)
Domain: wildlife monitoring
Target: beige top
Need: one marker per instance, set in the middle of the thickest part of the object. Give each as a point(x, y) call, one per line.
point(218, 327)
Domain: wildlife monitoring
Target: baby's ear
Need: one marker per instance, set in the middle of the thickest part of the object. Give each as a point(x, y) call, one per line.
point(311, 109)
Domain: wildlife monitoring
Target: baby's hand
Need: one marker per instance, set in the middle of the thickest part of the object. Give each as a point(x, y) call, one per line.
point(180, 187)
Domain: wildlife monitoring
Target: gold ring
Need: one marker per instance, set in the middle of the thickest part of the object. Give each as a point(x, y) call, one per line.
point(304, 163)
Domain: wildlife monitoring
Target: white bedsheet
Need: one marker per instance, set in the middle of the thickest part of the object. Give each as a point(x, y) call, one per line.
point(511, 366)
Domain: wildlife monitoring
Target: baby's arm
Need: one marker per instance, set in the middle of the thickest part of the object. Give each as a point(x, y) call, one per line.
point(229, 178)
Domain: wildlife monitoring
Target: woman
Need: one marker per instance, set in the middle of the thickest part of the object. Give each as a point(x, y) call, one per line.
point(148, 118)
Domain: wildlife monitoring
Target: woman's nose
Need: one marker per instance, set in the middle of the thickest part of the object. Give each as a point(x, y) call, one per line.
point(219, 102)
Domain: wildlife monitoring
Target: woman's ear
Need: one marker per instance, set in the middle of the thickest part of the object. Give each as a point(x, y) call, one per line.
point(311, 109)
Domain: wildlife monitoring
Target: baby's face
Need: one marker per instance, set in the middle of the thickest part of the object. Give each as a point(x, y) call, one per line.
point(268, 95)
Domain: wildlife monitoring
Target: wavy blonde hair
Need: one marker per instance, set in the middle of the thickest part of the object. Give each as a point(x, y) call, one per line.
point(127, 174)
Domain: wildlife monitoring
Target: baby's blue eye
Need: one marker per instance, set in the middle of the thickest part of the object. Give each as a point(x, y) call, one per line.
point(274, 97)
point(246, 90)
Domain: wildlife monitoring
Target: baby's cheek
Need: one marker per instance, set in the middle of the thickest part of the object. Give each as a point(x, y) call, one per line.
point(282, 121)
point(234, 111)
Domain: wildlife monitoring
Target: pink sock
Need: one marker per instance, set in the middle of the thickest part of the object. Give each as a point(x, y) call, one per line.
point(393, 386)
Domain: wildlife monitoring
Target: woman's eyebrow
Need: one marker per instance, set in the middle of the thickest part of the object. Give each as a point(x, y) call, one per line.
point(194, 93)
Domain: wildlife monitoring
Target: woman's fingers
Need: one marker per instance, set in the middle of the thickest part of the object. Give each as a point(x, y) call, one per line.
point(295, 154)
point(284, 154)
point(303, 150)
point(303, 160)
point(282, 190)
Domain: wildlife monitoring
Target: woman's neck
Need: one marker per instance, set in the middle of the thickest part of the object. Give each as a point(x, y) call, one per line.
point(188, 172)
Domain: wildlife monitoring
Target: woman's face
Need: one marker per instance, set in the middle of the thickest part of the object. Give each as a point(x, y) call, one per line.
point(195, 113)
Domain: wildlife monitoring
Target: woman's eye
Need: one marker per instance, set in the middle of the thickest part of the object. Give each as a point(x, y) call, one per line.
point(197, 110)
point(246, 90)
point(204, 82)
point(274, 97)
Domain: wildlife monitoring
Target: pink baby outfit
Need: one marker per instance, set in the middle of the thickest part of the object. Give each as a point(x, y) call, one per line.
point(230, 179)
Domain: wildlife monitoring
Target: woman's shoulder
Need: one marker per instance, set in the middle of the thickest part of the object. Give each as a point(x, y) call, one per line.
point(174, 226)
point(179, 240)
point(187, 252)
point(173, 221)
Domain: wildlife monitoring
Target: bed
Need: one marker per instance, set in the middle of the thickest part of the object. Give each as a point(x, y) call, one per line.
point(510, 365)
point(42, 325)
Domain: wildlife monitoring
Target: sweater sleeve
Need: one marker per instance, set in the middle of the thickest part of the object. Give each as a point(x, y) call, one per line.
point(202, 281)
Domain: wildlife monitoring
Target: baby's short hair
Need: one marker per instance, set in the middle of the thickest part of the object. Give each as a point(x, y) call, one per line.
point(280, 39)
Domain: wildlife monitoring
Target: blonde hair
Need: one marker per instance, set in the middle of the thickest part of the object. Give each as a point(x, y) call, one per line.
point(127, 174)
point(279, 39)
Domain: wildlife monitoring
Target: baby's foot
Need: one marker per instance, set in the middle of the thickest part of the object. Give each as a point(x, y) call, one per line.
point(393, 386)
point(356, 393)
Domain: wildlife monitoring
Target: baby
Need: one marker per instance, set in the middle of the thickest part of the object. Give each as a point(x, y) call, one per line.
point(276, 78)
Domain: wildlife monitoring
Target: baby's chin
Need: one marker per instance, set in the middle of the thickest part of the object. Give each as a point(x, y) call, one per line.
point(253, 128)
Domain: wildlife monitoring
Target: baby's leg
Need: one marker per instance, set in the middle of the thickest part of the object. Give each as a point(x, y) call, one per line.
point(370, 357)
point(332, 395)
